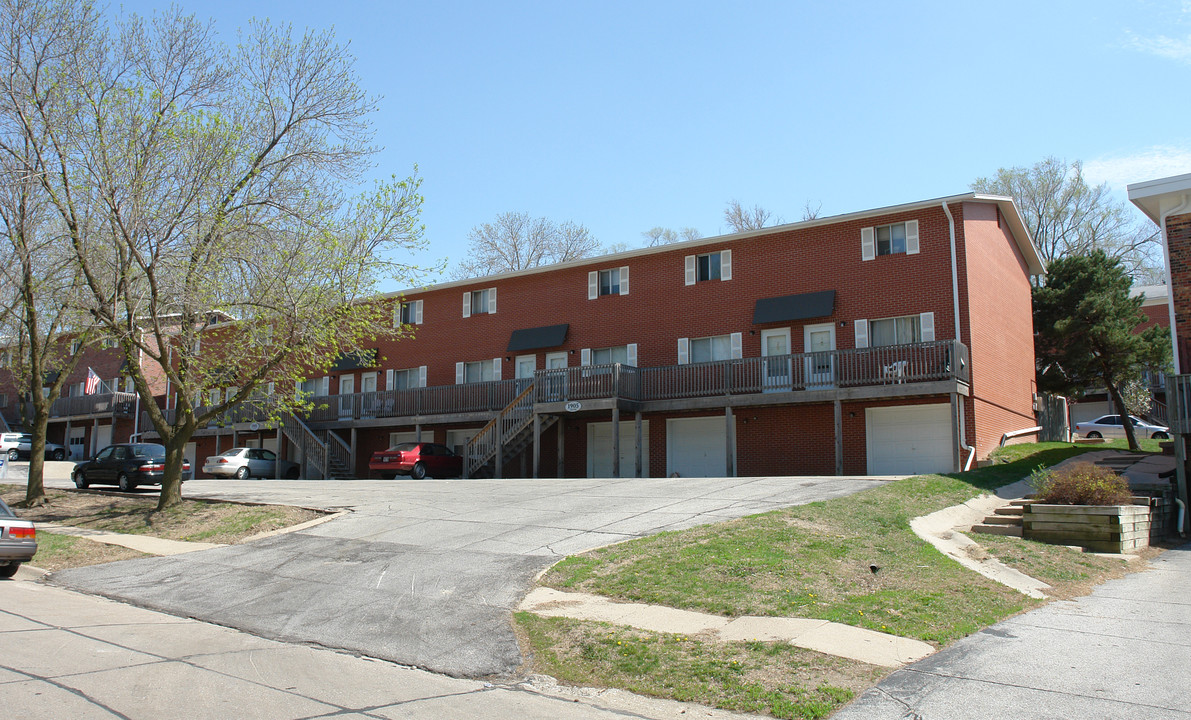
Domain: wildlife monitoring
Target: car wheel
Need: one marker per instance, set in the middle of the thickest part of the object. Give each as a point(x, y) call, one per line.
point(292, 474)
point(125, 484)
point(1160, 436)
point(418, 472)
point(80, 481)
point(242, 473)
point(1094, 434)
point(59, 454)
point(7, 571)
point(13, 455)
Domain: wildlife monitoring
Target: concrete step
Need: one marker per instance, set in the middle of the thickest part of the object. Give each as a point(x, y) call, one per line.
point(1015, 510)
point(997, 530)
point(1003, 520)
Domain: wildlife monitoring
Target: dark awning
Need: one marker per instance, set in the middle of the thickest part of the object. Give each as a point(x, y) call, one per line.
point(355, 360)
point(794, 307)
point(539, 337)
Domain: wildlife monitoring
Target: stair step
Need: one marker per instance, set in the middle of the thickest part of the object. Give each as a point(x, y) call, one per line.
point(1021, 503)
point(1002, 520)
point(1011, 510)
point(1008, 530)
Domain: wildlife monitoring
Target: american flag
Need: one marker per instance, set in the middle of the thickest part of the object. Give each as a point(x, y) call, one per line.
point(92, 384)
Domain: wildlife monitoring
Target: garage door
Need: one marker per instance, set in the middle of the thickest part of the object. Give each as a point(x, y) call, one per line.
point(599, 449)
point(696, 447)
point(909, 440)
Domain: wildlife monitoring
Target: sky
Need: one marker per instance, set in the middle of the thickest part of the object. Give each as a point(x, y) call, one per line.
point(622, 116)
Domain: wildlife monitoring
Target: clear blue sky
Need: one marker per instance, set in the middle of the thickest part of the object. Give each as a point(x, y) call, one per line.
point(626, 115)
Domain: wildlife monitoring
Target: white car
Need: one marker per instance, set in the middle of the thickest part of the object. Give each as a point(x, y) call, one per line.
point(53, 451)
point(242, 463)
point(10, 443)
point(1110, 426)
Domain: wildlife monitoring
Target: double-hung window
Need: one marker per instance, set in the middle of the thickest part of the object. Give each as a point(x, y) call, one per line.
point(709, 266)
point(709, 349)
point(477, 371)
point(403, 379)
point(896, 330)
point(408, 313)
point(609, 355)
point(479, 302)
point(893, 239)
point(609, 282)
point(614, 281)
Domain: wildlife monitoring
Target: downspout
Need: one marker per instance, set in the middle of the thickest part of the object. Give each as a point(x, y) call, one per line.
point(1180, 451)
point(963, 445)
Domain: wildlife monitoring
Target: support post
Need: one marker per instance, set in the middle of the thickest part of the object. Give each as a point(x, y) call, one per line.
point(637, 454)
point(537, 445)
point(418, 431)
point(466, 460)
point(352, 455)
point(500, 450)
point(562, 468)
point(730, 436)
point(69, 446)
point(839, 437)
point(94, 437)
point(956, 436)
point(1180, 474)
point(616, 442)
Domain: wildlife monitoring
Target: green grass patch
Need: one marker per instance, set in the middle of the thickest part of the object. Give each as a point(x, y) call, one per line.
point(755, 677)
point(55, 552)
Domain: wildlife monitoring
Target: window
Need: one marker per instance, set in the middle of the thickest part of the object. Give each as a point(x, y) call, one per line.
point(709, 266)
point(5, 358)
point(614, 281)
point(479, 302)
point(894, 239)
point(75, 346)
point(403, 379)
point(710, 349)
point(308, 388)
point(408, 313)
point(3, 400)
point(607, 356)
point(482, 371)
point(108, 343)
point(896, 331)
point(610, 282)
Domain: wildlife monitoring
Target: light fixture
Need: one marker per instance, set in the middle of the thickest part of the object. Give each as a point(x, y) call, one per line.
point(843, 323)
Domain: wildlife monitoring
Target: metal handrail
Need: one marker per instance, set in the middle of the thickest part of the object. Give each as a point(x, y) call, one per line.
point(502, 428)
point(314, 450)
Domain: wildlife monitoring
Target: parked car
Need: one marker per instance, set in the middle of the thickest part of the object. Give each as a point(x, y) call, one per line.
point(417, 460)
point(53, 451)
point(126, 466)
point(18, 541)
point(1111, 426)
point(9, 444)
point(242, 463)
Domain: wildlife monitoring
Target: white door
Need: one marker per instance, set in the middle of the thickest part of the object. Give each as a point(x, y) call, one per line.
point(103, 436)
point(523, 370)
point(909, 439)
point(456, 439)
point(396, 438)
point(347, 386)
point(599, 449)
point(697, 447)
point(189, 453)
point(368, 398)
point(819, 341)
point(556, 382)
point(78, 446)
point(778, 371)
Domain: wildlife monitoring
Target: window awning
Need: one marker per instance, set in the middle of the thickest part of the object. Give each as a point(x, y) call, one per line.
point(355, 360)
point(536, 338)
point(794, 307)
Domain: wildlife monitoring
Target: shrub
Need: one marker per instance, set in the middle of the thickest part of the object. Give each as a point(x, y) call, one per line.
point(1085, 484)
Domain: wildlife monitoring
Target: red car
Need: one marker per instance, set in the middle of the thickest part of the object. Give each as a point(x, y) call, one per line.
point(418, 460)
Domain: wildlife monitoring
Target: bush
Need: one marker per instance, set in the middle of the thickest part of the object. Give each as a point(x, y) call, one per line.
point(1085, 484)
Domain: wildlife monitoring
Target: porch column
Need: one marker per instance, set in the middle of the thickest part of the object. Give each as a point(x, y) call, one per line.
point(216, 443)
point(615, 442)
point(354, 450)
point(839, 438)
point(235, 437)
point(537, 445)
point(418, 431)
point(94, 437)
point(561, 446)
point(956, 434)
point(730, 435)
point(1180, 472)
point(69, 448)
point(637, 422)
point(500, 451)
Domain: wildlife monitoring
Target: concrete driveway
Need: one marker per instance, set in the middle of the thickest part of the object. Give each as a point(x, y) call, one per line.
point(423, 573)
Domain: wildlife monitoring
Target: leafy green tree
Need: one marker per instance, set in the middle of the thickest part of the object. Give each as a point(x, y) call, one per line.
point(1085, 326)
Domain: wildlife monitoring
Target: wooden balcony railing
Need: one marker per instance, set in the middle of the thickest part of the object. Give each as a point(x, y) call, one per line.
point(1178, 403)
point(119, 403)
point(438, 400)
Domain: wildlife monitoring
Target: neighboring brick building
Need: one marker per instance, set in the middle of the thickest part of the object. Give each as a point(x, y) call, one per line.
point(1167, 202)
point(819, 347)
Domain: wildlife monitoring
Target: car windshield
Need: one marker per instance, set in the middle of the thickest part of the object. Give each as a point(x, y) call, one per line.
point(149, 451)
point(234, 452)
point(4, 511)
point(404, 447)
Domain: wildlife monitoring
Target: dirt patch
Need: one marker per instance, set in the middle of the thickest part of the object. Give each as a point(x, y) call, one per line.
point(191, 520)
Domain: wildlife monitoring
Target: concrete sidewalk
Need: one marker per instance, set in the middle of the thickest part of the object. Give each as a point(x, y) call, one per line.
point(1122, 652)
point(68, 655)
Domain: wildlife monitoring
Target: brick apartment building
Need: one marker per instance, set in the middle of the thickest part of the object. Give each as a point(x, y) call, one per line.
point(894, 340)
point(1167, 201)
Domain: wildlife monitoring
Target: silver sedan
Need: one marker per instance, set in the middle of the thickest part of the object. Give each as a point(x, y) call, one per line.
point(243, 463)
point(1110, 426)
point(18, 541)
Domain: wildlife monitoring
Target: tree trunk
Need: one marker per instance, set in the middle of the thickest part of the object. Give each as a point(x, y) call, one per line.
point(171, 481)
point(35, 485)
point(1126, 422)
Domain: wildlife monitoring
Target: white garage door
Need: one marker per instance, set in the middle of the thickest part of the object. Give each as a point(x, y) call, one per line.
point(696, 447)
point(599, 449)
point(909, 440)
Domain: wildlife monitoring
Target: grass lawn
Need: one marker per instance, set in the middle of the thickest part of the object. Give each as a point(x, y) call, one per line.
point(811, 561)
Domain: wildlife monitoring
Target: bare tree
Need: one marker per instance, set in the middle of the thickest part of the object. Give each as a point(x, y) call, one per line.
point(809, 212)
point(664, 236)
point(516, 241)
point(1066, 216)
point(195, 181)
point(741, 219)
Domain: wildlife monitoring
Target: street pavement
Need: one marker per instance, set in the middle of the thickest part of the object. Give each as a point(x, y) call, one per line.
point(1122, 652)
point(67, 655)
point(424, 573)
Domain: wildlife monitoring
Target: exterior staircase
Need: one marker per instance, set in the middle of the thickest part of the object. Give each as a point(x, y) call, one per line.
point(507, 435)
point(339, 456)
point(1006, 520)
point(314, 448)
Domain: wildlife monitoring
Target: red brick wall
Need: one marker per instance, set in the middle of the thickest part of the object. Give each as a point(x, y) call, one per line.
point(1178, 240)
point(1155, 315)
point(997, 327)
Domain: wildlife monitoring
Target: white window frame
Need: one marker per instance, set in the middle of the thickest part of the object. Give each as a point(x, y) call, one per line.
point(870, 248)
point(479, 302)
point(686, 350)
point(692, 267)
point(519, 360)
point(415, 378)
point(926, 328)
point(409, 309)
point(461, 369)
